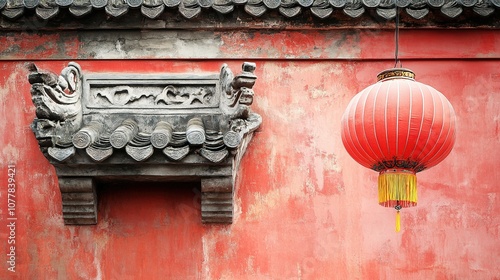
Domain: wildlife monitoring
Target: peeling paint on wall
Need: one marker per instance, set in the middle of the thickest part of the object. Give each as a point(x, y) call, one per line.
point(305, 209)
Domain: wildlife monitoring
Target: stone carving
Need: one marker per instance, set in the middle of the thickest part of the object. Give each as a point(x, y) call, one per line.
point(61, 154)
point(178, 148)
point(124, 134)
point(216, 199)
point(153, 96)
point(101, 150)
point(176, 153)
point(195, 133)
point(151, 127)
point(162, 135)
point(87, 135)
point(171, 96)
point(57, 99)
point(121, 95)
point(140, 148)
point(79, 201)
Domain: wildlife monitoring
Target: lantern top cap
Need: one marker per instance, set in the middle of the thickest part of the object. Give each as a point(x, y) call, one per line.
point(396, 73)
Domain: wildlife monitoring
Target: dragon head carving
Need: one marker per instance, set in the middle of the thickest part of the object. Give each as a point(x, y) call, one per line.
point(57, 99)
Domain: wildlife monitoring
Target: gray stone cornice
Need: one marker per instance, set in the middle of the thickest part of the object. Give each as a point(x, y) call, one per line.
point(95, 127)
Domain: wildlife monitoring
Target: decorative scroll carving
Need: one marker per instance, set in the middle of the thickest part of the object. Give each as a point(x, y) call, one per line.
point(152, 127)
point(171, 96)
point(145, 95)
point(121, 95)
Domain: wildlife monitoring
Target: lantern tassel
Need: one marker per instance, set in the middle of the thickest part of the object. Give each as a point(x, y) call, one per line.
point(397, 187)
point(398, 221)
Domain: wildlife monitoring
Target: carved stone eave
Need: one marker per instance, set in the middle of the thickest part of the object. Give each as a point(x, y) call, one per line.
point(146, 127)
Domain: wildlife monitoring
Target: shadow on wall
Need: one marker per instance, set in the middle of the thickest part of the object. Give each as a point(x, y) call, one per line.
point(158, 203)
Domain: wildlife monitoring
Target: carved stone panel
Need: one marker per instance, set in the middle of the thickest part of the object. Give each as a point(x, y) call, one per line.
point(151, 92)
point(152, 127)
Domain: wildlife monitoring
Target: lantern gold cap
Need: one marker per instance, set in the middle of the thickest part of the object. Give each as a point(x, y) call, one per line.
point(395, 73)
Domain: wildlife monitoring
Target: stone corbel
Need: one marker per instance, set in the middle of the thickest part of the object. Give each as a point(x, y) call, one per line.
point(97, 127)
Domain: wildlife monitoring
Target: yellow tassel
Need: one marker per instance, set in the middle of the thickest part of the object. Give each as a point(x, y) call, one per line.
point(398, 221)
point(397, 187)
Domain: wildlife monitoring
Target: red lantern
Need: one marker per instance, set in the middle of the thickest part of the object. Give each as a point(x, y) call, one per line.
point(398, 127)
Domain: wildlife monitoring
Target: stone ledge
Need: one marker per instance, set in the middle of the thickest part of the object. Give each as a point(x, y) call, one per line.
point(143, 127)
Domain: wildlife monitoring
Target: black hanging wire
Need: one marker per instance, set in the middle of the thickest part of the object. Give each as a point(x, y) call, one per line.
point(396, 35)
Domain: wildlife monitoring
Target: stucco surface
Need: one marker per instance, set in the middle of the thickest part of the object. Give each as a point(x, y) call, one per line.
point(304, 208)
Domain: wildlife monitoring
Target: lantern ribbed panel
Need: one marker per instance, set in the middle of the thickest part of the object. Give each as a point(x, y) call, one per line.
point(399, 121)
point(398, 127)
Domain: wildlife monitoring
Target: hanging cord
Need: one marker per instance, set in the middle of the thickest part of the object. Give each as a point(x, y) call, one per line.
point(396, 35)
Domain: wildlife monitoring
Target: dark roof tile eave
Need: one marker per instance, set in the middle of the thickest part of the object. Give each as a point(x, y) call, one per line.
point(287, 9)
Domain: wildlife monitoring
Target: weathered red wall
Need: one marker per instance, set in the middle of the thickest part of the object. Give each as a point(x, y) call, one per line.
point(304, 208)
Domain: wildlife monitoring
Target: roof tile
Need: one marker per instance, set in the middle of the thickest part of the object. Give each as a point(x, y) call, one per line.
point(418, 9)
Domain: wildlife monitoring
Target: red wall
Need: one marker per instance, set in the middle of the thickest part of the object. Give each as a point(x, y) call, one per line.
point(304, 208)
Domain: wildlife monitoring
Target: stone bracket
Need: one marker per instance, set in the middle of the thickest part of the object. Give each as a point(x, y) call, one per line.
point(217, 200)
point(79, 200)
